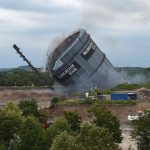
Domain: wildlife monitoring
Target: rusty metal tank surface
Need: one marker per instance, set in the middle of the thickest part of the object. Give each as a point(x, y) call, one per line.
point(78, 62)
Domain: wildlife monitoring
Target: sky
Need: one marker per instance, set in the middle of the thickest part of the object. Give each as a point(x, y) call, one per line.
point(120, 28)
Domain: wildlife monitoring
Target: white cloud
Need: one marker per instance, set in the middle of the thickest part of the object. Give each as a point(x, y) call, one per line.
point(119, 27)
point(115, 13)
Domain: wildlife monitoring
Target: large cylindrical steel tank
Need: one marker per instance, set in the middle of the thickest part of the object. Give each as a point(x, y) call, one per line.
point(78, 62)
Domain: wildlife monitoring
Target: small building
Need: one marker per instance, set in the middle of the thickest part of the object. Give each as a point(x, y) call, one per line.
point(123, 96)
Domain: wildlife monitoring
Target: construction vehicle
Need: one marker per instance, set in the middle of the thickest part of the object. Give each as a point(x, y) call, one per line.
point(135, 116)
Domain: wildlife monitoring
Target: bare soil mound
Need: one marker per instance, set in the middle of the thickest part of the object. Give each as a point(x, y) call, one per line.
point(120, 110)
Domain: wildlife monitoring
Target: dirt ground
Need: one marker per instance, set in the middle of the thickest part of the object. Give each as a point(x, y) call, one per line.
point(120, 110)
point(43, 97)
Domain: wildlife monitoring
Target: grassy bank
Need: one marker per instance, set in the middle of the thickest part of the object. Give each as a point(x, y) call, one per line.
point(61, 101)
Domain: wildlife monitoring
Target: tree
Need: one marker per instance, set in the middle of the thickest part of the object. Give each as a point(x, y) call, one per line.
point(54, 101)
point(106, 119)
point(96, 138)
point(3, 146)
point(30, 107)
point(89, 138)
point(2, 78)
point(74, 120)
point(9, 79)
point(64, 141)
point(141, 131)
point(60, 125)
point(21, 77)
point(10, 122)
point(31, 135)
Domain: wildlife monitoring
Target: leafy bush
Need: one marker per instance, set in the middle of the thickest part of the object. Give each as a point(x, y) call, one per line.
point(96, 102)
point(30, 107)
point(141, 131)
point(86, 102)
point(74, 120)
point(130, 102)
point(21, 129)
point(10, 122)
point(104, 118)
point(56, 100)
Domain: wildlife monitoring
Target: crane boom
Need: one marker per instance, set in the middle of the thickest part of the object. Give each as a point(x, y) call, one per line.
point(30, 65)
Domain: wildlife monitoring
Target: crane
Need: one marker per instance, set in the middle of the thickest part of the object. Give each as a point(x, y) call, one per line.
point(42, 79)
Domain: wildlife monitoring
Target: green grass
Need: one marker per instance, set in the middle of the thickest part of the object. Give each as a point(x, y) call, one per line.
point(95, 102)
point(122, 87)
point(126, 87)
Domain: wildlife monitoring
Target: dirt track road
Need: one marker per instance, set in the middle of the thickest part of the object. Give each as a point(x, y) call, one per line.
point(43, 96)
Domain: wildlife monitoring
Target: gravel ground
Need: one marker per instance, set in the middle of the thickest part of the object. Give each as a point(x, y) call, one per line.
point(127, 140)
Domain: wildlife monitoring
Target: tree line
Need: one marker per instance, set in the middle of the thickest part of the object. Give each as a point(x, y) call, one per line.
point(24, 127)
point(18, 77)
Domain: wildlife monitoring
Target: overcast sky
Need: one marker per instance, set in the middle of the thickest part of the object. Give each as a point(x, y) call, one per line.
point(121, 28)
